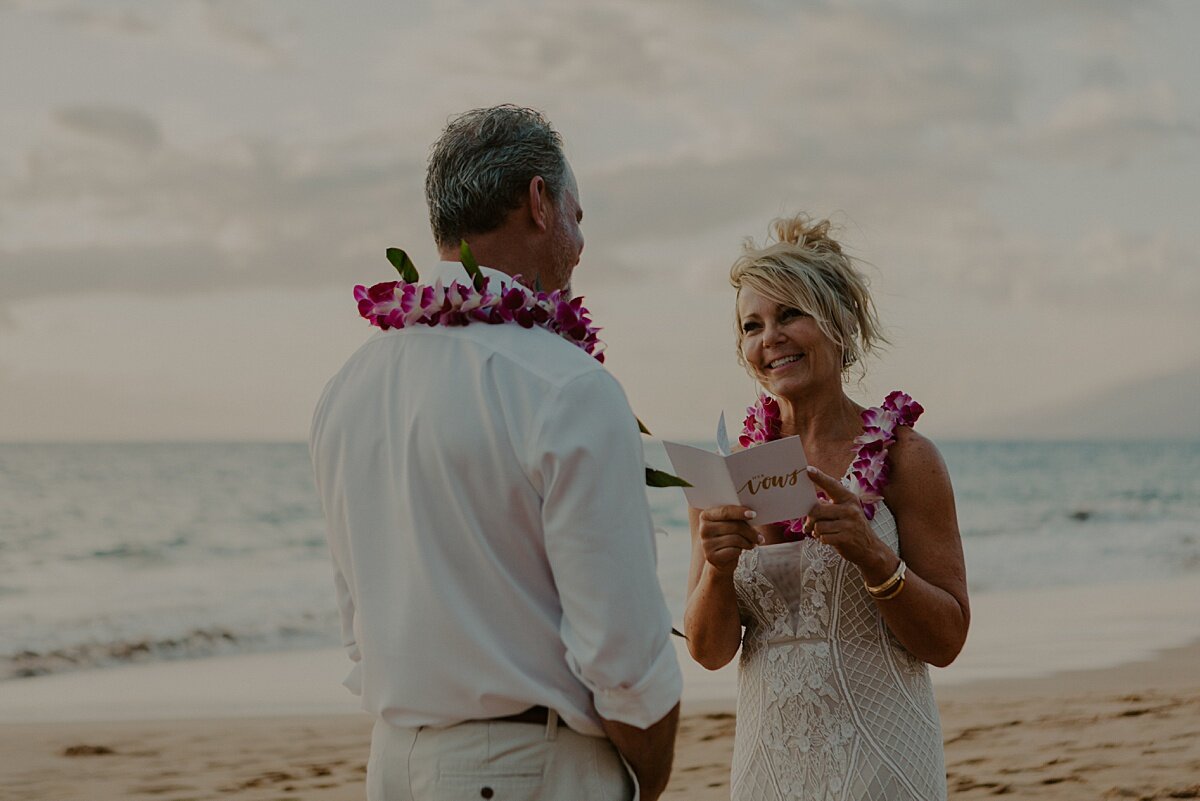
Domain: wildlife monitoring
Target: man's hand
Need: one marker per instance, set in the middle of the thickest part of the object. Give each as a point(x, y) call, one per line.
point(648, 751)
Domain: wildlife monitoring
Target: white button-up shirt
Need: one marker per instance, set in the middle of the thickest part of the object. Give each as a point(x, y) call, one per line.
point(493, 549)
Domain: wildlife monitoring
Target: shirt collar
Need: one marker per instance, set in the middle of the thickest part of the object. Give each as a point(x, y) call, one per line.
point(454, 271)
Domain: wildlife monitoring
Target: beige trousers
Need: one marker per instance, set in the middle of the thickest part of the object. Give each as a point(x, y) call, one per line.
point(500, 761)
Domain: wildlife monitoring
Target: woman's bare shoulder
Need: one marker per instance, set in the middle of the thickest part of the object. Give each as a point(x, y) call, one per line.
point(916, 464)
point(911, 444)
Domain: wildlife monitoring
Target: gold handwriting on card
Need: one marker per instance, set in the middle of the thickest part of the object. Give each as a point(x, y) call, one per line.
point(761, 482)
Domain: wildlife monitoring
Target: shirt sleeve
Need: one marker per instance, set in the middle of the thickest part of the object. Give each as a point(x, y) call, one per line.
point(345, 602)
point(589, 466)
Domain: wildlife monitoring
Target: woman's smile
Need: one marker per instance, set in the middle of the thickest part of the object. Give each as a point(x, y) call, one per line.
point(783, 362)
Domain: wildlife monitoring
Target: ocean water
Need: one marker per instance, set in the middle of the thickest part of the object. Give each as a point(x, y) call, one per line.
point(126, 553)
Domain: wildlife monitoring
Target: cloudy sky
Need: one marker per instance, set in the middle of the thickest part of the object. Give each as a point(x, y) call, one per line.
point(190, 188)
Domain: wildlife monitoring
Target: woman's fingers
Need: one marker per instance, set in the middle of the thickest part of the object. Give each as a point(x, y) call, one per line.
point(839, 522)
point(717, 514)
point(724, 534)
point(828, 511)
point(828, 517)
point(733, 541)
point(836, 490)
point(723, 553)
point(720, 531)
point(829, 528)
point(724, 521)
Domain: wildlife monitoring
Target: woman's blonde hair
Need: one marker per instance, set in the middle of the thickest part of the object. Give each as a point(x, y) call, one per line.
point(803, 267)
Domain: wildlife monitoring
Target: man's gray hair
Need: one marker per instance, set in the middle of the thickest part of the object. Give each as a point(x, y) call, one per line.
point(481, 166)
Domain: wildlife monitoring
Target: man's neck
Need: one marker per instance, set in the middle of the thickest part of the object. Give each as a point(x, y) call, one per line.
point(506, 259)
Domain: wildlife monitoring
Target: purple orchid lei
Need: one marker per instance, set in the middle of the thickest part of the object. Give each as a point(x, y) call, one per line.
point(401, 304)
point(868, 473)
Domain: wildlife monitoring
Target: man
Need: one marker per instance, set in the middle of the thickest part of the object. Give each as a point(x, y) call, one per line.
point(493, 548)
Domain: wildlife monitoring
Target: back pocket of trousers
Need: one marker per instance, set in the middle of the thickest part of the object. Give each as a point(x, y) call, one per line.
point(461, 785)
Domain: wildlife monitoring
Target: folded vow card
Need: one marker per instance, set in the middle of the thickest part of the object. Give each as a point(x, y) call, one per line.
point(768, 478)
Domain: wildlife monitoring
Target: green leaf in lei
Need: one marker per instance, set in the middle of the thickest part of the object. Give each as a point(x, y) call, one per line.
point(404, 265)
point(472, 266)
point(658, 478)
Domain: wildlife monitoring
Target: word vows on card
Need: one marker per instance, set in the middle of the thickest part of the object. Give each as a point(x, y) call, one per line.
point(767, 478)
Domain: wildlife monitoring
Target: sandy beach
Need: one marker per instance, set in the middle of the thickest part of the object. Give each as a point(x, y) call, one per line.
point(1060, 693)
point(1131, 731)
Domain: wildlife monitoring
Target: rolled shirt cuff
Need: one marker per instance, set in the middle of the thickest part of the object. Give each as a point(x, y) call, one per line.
point(648, 701)
point(353, 680)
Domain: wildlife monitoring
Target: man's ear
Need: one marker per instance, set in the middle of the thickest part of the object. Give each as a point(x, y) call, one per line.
point(540, 203)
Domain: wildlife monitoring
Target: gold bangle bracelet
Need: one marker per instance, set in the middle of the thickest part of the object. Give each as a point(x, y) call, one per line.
point(892, 594)
point(890, 582)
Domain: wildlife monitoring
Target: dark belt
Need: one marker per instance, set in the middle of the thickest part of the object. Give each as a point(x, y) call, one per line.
point(535, 714)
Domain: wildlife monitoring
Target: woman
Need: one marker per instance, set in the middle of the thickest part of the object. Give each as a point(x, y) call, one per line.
point(842, 610)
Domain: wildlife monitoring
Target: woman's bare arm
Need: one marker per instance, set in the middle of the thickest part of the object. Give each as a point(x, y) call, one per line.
point(931, 615)
point(711, 622)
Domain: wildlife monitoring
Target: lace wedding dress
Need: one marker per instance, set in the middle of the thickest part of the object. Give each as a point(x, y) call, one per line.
point(830, 706)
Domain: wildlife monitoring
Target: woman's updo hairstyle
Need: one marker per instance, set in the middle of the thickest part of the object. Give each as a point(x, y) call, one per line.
point(803, 267)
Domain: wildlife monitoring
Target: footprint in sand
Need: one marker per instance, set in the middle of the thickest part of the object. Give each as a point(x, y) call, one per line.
point(88, 750)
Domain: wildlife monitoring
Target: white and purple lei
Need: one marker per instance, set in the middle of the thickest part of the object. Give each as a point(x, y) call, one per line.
point(868, 473)
point(401, 304)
